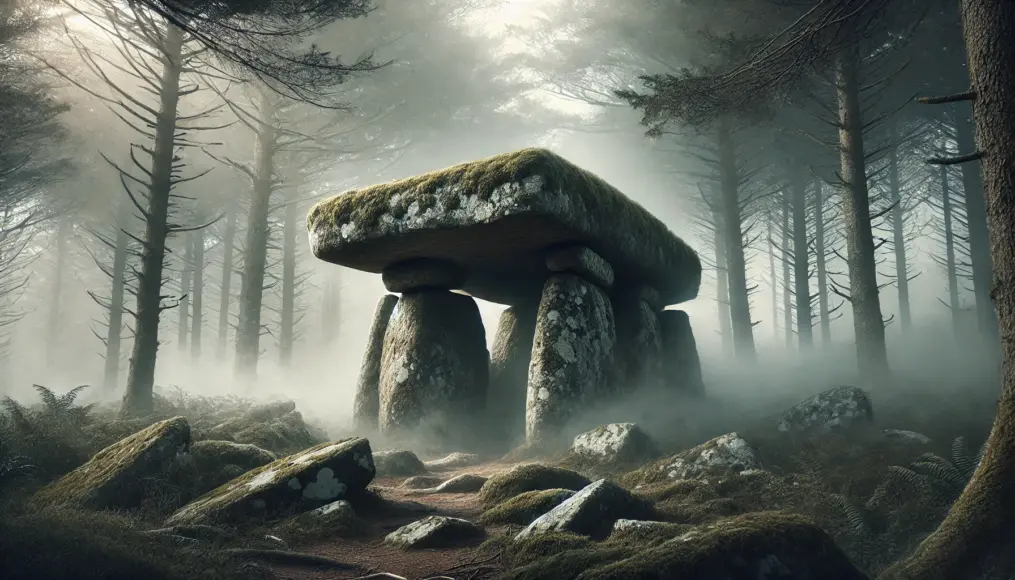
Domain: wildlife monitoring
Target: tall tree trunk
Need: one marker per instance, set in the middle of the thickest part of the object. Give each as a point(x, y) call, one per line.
point(197, 318)
point(225, 298)
point(111, 370)
point(774, 276)
point(801, 264)
point(950, 269)
point(331, 307)
point(248, 334)
point(899, 235)
point(55, 315)
point(137, 400)
point(819, 250)
point(868, 325)
point(978, 526)
point(736, 262)
point(291, 224)
point(186, 268)
point(722, 292)
point(787, 276)
point(976, 218)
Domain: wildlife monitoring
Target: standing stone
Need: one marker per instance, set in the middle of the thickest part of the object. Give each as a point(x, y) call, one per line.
point(509, 371)
point(681, 365)
point(581, 260)
point(435, 368)
point(572, 354)
point(639, 343)
point(367, 405)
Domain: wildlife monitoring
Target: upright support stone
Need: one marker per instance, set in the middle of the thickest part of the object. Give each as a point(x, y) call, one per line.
point(639, 342)
point(581, 260)
point(681, 365)
point(435, 368)
point(423, 273)
point(572, 354)
point(367, 404)
point(509, 371)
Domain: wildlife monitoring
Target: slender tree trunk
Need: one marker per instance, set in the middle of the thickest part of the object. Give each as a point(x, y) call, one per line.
point(225, 298)
point(197, 318)
point(801, 265)
point(976, 218)
point(950, 270)
point(819, 250)
point(978, 527)
point(331, 307)
point(868, 324)
point(292, 219)
point(55, 317)
point(111, 370)
point(736, 262)
point(775, 278)
point(787, 275)
point(248, 335)
point(722, 292)
point(898, 231)
point(137, 400)
point(186, 268)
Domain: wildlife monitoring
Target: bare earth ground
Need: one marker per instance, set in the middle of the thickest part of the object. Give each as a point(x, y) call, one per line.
point(465, 562)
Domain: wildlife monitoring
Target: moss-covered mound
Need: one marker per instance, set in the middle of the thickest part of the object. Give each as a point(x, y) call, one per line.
point(495, 216)
point(306, 480)
point(116, 476)
point(529, 477)
point(335, 520)
point(524, 508)
point(723, 455)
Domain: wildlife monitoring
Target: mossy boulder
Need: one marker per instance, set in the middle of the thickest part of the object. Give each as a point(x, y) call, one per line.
point(725, 454)
point(524, 508)
point(336, 519)
point(117, 476)
point(434, 532)
point(643, 531)
point(838, 408)
point(270, 411)
point(614, 444)
point(209, 454)
point(495, 217)
point(591, 512)
point(529, 477)
point(398, 463)
point(299, 482)
point(277, 427)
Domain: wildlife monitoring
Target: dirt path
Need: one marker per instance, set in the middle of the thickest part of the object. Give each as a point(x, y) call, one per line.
point(465, 562)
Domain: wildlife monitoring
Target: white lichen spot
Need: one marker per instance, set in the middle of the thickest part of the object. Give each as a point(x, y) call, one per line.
point(347, 230)
point(564, 349)
point(295, 483)
point(552, 316)
point(364, 461)
point(326, 486)
point(543, 394)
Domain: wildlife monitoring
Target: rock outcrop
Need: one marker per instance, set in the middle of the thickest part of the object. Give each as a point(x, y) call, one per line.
point(434, 532)
point(590, 512)
point(725, 454)
point(838, 408)
point(614, 444)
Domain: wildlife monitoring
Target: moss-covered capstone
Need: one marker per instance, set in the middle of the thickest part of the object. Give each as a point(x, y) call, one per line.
point(435, 368)
point(681, 367)
point(529, 477)
point(591, 512)
point(572, 354)
point(509, 371)
point(524, 508)
point(299, 482)
point(434, 532)
point(367, 403)
point(495, 217)
point(838, 408)
point(116, 476)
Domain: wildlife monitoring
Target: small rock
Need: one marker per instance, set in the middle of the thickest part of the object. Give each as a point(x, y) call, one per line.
point(456, 459)
point(421, 482)
point(340, 509)
point(832, 409)
point(590, 512)
point(903, 435)
point(530, 477)
point(465, 483)
point(434, 532)
point(616, 443)
point(397, 462)
point(623, 525)
point(212, 454)
point(729, 452)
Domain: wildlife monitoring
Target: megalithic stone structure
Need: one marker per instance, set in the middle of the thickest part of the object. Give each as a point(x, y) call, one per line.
point(367, 403)
point(509, 371)
point(526, 229)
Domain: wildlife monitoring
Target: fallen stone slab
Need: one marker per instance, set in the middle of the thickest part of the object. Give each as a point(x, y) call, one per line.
point(299, 482)
point(614, 444)
point(397, 463)
point(453, 460)
point(841, 407)
point(434, 532)
point(590, 512)
point(728, 453)
point(116, 476)
point(495, 217)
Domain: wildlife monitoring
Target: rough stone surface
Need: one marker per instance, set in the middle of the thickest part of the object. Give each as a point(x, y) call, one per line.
point(421, 482)
point(423, 273)
point(509, 372)
point(495, 217)
point(590, 512)
point(903, 435)
point(572, 354)
point(465, 483)
point(836, 408)
point(277, 427)
point(115, 477)
point(627, 526)
point(524, 508)
point(639, 357)
point(680, 363)
point(434, 532)
point(367, 404)
point(453, 460)
point(580, 260)
point(397, 463)
point(726, 453)
point(615, 443)
point(270, 411)
point(210, 454)
point(435, 368)
point(305, 480)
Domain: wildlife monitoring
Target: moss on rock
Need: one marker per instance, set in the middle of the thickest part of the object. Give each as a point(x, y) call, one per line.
point(529, 477)
point(524, 508)
point(210, 454)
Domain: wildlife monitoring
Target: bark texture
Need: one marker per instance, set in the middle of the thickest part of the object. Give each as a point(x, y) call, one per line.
point(801, 265)
point(898, 232)
point(111, 368)
point(722, 291)
point(367, 404)
point(55, 315)
point(949, 235)
point(787, 271)
point(288, 318)
point(736, 262)
point(197, 295)
point(819, 263)
point(183, 309)
point(225, 297)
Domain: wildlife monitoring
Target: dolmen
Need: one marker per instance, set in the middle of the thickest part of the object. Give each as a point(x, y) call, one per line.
point(585, 272)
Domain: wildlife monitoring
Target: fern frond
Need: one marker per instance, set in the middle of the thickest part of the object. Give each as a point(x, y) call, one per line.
point(67, 399)
point(20, 415)
point(960, 455)
point(49, 398)
point(855, 515)
point(945, 473)
point(932, 458)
